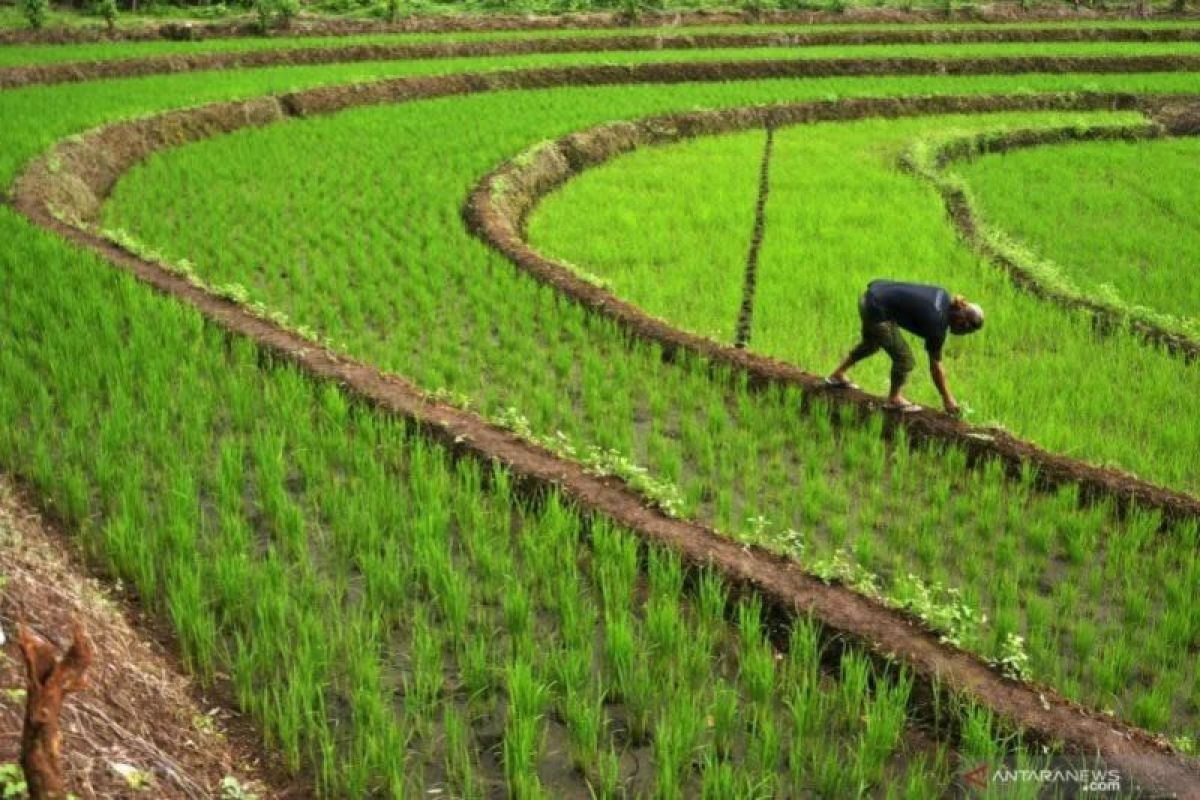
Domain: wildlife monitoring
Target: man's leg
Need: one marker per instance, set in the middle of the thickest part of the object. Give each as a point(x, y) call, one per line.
point(869, 344)
point(861, 350)
point(894, 345)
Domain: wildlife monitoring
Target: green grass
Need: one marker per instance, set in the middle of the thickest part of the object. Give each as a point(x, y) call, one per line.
point(383, 264)
point(15, 55)
point(1118, 220)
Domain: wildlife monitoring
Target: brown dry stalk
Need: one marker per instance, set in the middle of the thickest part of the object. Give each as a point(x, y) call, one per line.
point(51, 679)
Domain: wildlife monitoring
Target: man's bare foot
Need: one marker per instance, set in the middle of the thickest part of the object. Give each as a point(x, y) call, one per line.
point(901, 403)
point(836, 381)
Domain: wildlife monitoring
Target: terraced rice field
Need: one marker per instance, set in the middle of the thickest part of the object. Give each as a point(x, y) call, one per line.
point(431, 398)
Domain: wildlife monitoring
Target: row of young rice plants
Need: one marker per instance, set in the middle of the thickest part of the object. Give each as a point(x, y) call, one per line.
point(382, 264)
point(840, 214)
point(1138, 199)
point(985, 50)
point(398, 622)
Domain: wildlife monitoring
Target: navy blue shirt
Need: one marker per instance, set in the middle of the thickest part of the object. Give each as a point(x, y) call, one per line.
point(917, 308)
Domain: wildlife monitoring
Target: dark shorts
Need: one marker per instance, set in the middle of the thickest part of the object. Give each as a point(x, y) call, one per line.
point(882, 335)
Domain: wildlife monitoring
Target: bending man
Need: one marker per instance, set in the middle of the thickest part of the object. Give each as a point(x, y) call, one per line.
point(927, 311)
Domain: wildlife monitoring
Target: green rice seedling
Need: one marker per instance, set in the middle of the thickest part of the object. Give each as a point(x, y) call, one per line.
point(424, 681)
point(609, 784)
point(1153, 710)
point(577, 613)
point(883, 724)
point(639, 692)
point(724, 718)
point(756, 671)
point(571, 668)
point(474, 663)
point(460, 757)
point(718, 781)
point(802, 708)
point(711, 602)
point(916, 784)
point(665, 636)
point(527, 697)
point(831, 777)
point(695, 660)
point(583, 711)
point(619, 650)
point(853, 687)
point(675, 735)
point(195, 628)
point(523, 729)
point(615, 567)
point(764, 748)
point(453, 592)
point(801, 667)
point(518, 617)
point(522, 741)
point(665, 573)
point(979, 740)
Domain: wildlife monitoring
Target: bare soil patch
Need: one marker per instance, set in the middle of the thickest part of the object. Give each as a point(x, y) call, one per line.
point(140, 719)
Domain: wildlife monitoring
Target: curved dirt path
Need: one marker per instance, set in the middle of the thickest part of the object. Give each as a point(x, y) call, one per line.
point(72, 181)
point(76, 71)
point(1184, 121)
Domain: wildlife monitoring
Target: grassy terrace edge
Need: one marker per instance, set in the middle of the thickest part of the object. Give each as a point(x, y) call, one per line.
point(85, 70)
point(1042, 713)
point(1024, 270)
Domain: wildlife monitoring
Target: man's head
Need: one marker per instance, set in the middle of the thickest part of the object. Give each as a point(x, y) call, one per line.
point(964, 317)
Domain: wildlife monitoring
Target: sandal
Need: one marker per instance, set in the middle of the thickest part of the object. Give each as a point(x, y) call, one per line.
point(839, 383)
point(903, 408)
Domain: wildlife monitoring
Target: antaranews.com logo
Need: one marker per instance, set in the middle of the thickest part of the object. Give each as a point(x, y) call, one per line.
point(1072, 781)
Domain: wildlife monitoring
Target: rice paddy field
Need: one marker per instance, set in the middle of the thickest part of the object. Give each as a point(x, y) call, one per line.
point(260, 358)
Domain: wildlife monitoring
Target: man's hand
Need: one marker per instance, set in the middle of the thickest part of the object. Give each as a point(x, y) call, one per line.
point(939, 380)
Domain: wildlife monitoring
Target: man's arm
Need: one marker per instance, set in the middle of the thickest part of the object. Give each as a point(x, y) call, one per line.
point(939, 380)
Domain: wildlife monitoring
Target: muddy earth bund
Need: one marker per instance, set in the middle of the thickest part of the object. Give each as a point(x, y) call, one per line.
point(64, 189)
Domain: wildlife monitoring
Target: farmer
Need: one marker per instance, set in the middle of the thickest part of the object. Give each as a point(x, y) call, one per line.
point(928, 312)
